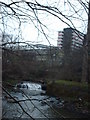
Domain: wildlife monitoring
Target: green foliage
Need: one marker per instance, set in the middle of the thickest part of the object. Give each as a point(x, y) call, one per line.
point(12, 82)
point(68, 89)
point(72, 83)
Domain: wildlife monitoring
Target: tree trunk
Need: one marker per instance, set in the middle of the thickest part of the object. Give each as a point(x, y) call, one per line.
point(88, 39)
point(86, 50)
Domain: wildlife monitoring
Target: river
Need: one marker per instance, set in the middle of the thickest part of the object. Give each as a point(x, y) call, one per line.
point(32, 102)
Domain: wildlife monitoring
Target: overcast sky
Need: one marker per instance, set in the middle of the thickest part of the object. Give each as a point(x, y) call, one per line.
point(30, 33)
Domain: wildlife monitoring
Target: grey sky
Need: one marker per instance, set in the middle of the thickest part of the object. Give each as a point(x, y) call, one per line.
point(30, 33)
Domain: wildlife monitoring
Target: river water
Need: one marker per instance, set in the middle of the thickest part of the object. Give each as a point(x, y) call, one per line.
point(35, 103)
point(32, 99)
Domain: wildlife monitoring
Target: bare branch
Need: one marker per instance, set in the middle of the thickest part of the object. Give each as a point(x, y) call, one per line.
point(18, 103)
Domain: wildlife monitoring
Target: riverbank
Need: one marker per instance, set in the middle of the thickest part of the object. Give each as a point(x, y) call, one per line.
point(68, 89)
point(76, 95)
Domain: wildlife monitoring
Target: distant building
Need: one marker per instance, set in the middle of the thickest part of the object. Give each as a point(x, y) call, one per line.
point(60, 39)
point(70, 38)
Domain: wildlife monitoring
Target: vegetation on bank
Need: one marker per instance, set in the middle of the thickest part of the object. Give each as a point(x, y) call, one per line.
point(69, 90)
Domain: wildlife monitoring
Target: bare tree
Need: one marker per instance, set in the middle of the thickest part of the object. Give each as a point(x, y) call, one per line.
point(25, 11)
point(86, 57)
point(15, 14)
point(29, 12)
point(88, 40)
